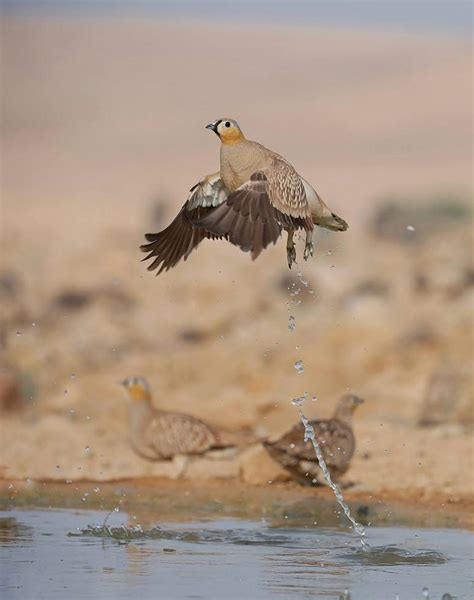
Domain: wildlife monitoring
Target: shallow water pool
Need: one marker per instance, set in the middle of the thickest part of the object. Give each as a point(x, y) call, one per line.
point(54, 554)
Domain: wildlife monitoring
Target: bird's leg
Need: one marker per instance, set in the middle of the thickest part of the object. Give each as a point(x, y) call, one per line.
point(290, 248)
point(308, 249)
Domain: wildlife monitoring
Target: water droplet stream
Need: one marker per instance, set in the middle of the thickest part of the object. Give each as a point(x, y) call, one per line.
point(309, 435)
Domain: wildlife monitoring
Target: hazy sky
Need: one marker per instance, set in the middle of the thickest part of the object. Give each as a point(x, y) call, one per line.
point(450, 16)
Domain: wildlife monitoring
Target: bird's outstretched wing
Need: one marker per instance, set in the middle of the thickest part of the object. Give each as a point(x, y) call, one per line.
point(252, 217)
point(183, 235)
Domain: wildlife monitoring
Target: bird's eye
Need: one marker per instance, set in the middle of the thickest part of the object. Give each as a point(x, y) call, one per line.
point(227, 124)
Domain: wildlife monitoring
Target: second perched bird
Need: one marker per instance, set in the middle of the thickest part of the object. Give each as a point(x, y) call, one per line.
point(335, 437)
point(255, 195)
point(158, 434)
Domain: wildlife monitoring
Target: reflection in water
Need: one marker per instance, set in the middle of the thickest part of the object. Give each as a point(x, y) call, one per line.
point(14, 532)
point(56, 555)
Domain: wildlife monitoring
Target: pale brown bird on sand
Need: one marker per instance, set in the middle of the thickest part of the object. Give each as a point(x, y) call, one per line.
point(335, 437)
point(159, 435)
point(255, 195)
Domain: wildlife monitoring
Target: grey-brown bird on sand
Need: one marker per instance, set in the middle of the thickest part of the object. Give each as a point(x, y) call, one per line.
point(158, 434)
point(255, 195)
point(335, 437)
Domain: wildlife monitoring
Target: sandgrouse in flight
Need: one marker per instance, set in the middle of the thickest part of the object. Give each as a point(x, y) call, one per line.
point(335, 437)
point(255, 195)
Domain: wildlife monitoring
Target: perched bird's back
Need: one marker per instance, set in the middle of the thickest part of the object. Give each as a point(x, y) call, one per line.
point(336, 440)
point(158, 434)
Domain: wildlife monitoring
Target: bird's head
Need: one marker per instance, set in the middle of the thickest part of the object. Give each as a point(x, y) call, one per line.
point(346, 407)
point(137, 388)
point(227, 130)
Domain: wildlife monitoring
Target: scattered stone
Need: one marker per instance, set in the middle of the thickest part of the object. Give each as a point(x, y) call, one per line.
point(412, 219)
point(11, 398)
point(449, 396)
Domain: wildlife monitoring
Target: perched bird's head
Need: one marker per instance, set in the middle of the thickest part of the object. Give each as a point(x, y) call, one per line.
point(346, 406)
point(227, 130)
point(137, 388)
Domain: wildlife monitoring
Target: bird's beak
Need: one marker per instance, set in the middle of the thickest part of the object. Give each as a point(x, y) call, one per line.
point(213, 125)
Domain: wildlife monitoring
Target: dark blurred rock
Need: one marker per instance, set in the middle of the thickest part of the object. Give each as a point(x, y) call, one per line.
point(449, 396)
point(450, 279)
point(9, 285)
point(421, 335)
point(71, 300)
point(11, 398)
point(407, 220)
point(77, 299)
point(192, 335)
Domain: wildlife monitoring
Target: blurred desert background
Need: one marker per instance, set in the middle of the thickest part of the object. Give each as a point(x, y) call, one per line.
point(103, 135)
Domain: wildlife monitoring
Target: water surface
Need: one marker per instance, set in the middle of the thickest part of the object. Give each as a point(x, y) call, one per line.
point(57, 554)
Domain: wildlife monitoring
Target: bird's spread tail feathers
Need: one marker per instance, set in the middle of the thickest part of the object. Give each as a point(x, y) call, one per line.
point(336, 223)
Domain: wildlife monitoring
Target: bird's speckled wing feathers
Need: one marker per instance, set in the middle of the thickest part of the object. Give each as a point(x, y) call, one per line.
point(183, 235)
point(253, 216)
point(336, 440)
point(175, 433)
point(286, 191)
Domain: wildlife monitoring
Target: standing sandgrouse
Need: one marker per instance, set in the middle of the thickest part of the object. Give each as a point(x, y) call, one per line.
point(255, 195)
point(158, 434)
point(335, 437)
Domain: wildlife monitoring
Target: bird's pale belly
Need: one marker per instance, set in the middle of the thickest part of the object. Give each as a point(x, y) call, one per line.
point(233, 179)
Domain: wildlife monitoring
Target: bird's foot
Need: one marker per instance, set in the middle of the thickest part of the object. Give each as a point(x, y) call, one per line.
point(291, 255)
point(308, 250)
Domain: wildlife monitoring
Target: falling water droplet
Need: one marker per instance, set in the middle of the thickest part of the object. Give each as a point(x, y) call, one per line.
point(309, 435)
point(291, 323)
point(300, 401)
point(302, 280)
point(299, 367)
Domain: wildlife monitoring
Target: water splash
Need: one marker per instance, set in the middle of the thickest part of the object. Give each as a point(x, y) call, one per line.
point(299, 367)
point(309, 435)
point(300, 401)
point(302, 279)
point(291, 323)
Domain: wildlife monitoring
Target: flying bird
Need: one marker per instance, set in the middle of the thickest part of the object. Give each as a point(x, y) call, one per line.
point(159, 435)
point(335, 437)
point(254, 197)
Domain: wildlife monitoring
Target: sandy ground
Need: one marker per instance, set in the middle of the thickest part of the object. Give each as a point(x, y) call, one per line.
point(103, 136)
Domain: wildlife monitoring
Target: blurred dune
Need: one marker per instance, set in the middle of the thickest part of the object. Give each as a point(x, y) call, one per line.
point(103, 135)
